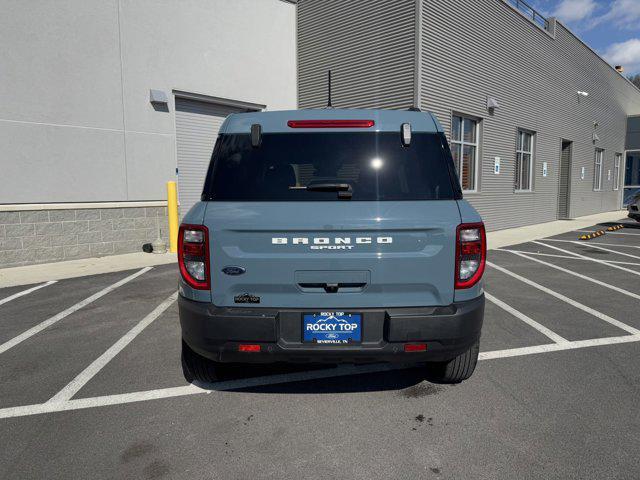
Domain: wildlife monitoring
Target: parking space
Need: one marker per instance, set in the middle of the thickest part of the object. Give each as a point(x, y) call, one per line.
point(500, 332)
point(551, 312)
point(39, 366)
point(91, 385)
point(42, 303)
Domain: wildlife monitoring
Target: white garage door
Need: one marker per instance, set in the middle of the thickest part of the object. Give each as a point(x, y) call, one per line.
point(197, 125)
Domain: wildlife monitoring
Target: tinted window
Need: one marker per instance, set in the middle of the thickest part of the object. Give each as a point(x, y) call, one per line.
point(375, 165)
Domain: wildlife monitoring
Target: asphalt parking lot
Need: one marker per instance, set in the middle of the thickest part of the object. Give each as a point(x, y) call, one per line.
point(91, 385)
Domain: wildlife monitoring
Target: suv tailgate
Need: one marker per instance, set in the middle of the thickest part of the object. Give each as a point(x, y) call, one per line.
point(333, 254)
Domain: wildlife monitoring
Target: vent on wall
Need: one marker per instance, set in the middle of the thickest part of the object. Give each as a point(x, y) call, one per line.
point(158, 97)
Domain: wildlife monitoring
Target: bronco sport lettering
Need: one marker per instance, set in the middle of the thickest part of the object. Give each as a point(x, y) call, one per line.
point(337, 243)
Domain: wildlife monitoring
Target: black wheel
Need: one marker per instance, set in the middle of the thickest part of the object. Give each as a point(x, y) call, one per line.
point(457, 369)
point(197, 368)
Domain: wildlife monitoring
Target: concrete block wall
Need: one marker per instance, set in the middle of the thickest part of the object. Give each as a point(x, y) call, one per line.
point(39, 236)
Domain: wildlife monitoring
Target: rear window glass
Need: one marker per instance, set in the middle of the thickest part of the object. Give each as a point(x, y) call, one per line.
point(375, 165)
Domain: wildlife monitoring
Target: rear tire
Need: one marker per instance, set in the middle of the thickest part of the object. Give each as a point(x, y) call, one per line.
point(197, 368)
point(457, 369)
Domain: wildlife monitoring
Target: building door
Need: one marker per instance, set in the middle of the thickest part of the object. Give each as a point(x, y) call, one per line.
point(631, 177)
point(197, 125)
point(564, 191)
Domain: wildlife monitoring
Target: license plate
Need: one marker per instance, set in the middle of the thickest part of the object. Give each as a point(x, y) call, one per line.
point(332, 328)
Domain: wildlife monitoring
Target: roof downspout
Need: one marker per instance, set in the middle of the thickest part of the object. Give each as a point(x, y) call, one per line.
point(417, 67)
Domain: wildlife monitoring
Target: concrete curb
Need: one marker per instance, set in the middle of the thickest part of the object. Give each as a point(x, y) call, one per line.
point(29, 274)
point(514, 236)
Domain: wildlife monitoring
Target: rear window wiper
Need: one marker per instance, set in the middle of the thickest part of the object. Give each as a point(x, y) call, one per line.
point(345, 191)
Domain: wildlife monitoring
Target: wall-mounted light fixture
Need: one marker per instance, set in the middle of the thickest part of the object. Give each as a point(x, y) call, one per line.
point(492, 104)
point(582, 95)
point(158, 97)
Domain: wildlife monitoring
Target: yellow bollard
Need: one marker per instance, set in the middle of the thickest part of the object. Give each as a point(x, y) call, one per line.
point(172, 210)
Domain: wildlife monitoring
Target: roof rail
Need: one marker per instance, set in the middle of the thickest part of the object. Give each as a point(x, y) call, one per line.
point(530, 12)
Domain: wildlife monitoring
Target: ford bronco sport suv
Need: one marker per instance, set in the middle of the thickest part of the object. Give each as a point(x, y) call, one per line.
point(331, 236)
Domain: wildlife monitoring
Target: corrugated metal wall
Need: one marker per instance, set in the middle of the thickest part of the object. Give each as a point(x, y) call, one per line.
point(471, 50)
point(369, 45)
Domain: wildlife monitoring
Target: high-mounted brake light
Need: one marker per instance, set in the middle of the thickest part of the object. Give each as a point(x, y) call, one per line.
point(193, 256)
point(330, 123)
point(471, 254)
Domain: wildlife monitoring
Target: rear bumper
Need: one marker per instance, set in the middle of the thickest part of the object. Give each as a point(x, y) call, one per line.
point(216, 332)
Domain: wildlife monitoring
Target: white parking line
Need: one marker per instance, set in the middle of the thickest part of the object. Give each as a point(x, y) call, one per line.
point(133, 397)
point(56, 318)
point(88, 373)
point(595, 260)
point(568, 300)
point(610, 251)
point(592, 242)
point(576, 274)
point(195, 389)
point(556, 347)
point(529, 321)
point(568, 257)
point(538, 253)
point(25, 292)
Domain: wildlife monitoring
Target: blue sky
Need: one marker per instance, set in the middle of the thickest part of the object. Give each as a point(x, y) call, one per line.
point(611, 27)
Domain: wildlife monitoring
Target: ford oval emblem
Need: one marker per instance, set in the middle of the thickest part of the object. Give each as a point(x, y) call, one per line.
point(234, 270)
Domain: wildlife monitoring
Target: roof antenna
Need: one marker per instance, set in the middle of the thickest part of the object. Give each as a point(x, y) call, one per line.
point(329, 89)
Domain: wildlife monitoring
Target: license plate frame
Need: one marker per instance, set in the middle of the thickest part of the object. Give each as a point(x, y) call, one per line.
point(340, 328)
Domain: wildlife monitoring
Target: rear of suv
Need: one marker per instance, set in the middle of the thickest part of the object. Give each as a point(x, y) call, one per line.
point(331, 236)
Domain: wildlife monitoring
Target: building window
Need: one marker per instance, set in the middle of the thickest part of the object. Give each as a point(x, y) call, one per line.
point(616, 171)
point(464, 147)
point(597, 171)
point(524, 161)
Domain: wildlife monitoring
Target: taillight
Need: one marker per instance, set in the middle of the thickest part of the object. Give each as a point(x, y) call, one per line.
point(193, 256)
point(330, 123)
point(471, 254)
